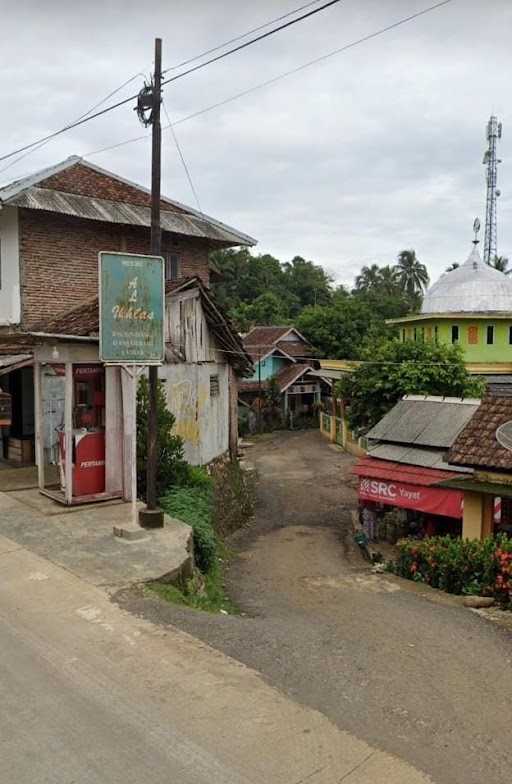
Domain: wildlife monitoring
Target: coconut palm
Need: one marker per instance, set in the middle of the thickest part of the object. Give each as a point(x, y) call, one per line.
point(412, 273)
point(500, 263)
point(368, 278)
point(389, 281)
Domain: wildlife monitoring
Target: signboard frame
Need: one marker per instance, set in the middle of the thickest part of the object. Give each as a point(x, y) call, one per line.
point(130, 360)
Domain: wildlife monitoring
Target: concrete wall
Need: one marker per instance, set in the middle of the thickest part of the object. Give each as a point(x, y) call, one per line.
point(10, 308)
point(474, 329)
point(477, 520)
point(202, 419)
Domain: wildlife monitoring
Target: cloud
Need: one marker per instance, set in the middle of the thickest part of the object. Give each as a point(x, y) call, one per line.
point(345, 163)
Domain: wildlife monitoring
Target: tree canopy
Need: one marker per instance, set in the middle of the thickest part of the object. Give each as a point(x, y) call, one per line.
point(392, 369)
point(338, 322)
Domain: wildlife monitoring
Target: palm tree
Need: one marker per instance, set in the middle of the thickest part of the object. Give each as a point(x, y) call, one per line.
point(500, 263)
point(368, 278)
point(453, 266)
point(412, 273)
point(389, 280)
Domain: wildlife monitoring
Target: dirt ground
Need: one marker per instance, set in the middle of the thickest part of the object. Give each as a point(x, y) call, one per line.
point(427, 680)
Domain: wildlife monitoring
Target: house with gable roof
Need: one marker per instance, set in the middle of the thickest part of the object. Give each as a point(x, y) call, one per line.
point(284, 356)
point(53, 224)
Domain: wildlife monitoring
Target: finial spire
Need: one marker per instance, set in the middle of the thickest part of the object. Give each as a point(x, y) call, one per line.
point(476, 229)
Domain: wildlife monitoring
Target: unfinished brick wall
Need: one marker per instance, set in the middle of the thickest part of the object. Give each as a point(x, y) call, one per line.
point(59, 259)
point(84, 181)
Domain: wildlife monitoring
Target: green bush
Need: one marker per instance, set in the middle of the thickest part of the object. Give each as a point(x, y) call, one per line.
point(194, 506)
point(459, 566)
point(172, 469)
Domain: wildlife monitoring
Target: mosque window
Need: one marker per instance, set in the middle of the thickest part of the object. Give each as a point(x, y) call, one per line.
point(428, 334)
point(403, 336)
point(510, 335)
point(472, 335)
point(455, 333)
point(415, 334)
point(490, 335)
point(436, 335)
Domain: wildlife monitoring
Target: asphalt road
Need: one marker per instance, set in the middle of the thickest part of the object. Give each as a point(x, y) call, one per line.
point(415, 675)
point(89, 694)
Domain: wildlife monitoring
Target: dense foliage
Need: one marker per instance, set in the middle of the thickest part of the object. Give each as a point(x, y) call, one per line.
point(339, 323)
point(459, 566)
point(172, 468)
point(392, 369)
point(194, 505)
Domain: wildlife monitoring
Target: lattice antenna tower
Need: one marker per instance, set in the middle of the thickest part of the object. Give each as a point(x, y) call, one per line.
point(491, 160)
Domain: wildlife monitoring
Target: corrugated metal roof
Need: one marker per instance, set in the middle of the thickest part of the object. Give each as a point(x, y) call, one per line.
point(428, 458)
point(35, 198)
point(430, 421)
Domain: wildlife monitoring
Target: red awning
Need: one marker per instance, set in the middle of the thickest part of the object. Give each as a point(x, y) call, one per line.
point(407, 486)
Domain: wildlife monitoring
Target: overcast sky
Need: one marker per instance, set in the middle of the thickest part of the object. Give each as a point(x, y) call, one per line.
point(347, 162)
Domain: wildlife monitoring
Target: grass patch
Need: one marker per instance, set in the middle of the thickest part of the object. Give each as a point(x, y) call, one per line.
point(214, 504)
point(202, 592)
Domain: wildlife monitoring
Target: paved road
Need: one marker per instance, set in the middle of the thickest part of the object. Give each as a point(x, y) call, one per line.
point(90, 694)
point(428, 681)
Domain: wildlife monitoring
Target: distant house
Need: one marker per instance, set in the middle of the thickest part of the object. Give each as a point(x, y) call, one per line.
point(283, 355)
point(53, 224)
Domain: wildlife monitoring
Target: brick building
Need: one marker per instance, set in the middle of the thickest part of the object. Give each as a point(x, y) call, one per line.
point(53, 224)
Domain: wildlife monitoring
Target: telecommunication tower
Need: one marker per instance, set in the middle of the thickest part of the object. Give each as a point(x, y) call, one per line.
point(493, 132)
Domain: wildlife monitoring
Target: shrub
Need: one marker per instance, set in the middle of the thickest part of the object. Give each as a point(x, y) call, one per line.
point(171, 466)
point(459, 566)
point(194, 506)
point(233, 497)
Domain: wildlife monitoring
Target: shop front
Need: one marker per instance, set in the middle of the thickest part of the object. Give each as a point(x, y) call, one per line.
point(425, 509)
point(82, 425)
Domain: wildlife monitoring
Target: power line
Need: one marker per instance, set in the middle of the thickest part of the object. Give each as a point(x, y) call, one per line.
point(85, 114)
point(243, 35)
point(75, 124)
point(252, 41)
point(283, 75)
point(182, 157)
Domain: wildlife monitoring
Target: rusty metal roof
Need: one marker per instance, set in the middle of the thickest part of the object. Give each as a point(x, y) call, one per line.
point(189, 224)
point(25, 193)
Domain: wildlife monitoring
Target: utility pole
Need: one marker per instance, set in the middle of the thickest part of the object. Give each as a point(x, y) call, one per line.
point(491, 160)
point(260, 423)
point(152, 517)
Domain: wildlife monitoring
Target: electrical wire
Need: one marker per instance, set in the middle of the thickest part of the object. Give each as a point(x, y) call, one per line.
point(252, 41)
point(81, 117)
point(182, 157)
point(75, 124)
point(280, 76)
point(239, 37)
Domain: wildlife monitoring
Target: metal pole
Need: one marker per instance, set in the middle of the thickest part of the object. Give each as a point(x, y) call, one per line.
point(134, 375)
point(260, 423)
point(152, 517)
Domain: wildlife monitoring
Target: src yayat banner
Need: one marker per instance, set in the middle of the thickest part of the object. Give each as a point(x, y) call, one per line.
point(132, 308)
point(433, 500)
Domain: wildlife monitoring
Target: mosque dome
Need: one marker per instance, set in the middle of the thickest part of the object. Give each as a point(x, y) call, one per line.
point(474, 287)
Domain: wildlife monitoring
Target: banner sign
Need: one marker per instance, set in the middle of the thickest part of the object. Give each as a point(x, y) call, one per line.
point(132, 308)
point(5, 409)
point(433, 500)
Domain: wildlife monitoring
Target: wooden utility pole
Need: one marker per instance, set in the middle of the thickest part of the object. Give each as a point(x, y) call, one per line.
point(152, 517)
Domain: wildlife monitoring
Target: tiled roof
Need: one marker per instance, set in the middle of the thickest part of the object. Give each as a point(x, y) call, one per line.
point(295, 348)
point(476, 445)
point(290, 374)
point(81, 321)
point(84, 321)
point(265, 336)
